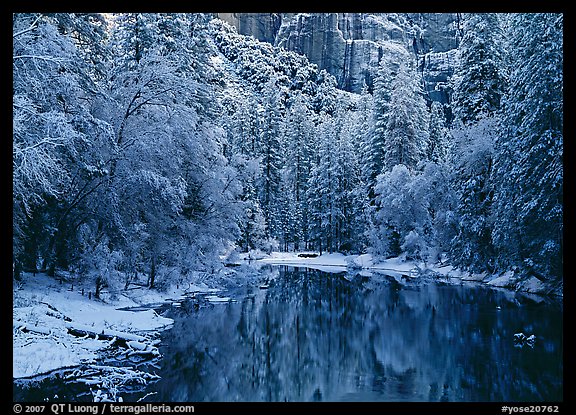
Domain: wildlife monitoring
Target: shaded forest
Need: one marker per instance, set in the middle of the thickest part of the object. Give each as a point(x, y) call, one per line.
point(158, 144)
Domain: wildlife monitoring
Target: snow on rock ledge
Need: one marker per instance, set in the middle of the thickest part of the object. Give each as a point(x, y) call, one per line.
point(505, 280)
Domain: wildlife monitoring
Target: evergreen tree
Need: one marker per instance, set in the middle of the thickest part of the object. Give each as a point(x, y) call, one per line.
point(390, 220)
point(243, 127)
point(472, 161)
point(321, 187)
point(351, 197)
point(270, 150)
point(479, 82)
point(439, 141)
point(287, 216)
point(406, 135)
point(529, 165)
point(252, 223)
point(298, 128)
point(135, 35)
point(376, 138)
point(479, 77)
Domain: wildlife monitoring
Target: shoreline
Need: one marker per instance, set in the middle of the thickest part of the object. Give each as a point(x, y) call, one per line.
point(57, 328)
point(399, 267)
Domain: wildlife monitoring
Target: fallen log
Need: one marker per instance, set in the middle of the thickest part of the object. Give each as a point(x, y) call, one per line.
point(136, 345)
point(82, 330)
point(142, 349)
point(28, 328)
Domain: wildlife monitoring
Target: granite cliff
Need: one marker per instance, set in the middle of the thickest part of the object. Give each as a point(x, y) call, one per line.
point(350, 45)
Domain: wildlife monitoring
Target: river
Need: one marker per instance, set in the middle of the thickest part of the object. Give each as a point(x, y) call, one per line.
point(317, 336)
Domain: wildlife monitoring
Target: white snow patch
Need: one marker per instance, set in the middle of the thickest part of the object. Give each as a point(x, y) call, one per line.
point(293, 258)
point(43, 309)
point(338, 262)
point(533, 285)
point(332, 263)
point(217, 299)
point(504, 280)
point(202, 288)
point(363, 261)
point(34, 354)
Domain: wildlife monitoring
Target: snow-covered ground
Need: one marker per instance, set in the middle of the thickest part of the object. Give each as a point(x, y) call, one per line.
point(337, 262)
point(327, 262)
point(44, 311)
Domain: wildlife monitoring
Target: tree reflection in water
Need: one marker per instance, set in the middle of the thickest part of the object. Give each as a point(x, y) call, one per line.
point(315, 336)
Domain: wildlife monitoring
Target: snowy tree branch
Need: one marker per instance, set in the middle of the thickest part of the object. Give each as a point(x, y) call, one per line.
point(30, 28)
point(41, 57)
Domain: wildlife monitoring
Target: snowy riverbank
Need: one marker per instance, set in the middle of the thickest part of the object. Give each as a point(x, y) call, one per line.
point(56, 326)
point(44, 310)
point(397, 267)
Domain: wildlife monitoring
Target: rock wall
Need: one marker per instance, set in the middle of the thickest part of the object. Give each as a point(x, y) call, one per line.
point(263, 26)
point(347, 45)
point(350, 45)
point(437, 68)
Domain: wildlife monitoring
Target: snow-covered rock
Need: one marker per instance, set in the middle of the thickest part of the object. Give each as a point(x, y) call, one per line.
point(532, 285)
point(521, 340)
point(504, 280)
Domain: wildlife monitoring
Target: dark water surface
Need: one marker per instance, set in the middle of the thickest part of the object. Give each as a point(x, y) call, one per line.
point(314, 336)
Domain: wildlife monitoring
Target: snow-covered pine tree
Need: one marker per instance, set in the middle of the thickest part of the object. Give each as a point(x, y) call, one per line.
point(243, 126)
point(251, 223)
point(270, 153)
point(406, 133)
point(479, 77)
point(472, 164)
point(402, 121)
point(364, 133)
point(350, 197)
point(135, 34)
point(392, 217)
point(321, 186)
point(298, 129)
point(479, 81)
point(528, 201)
point(287, 216)
point(379, 105)
point(439, 142)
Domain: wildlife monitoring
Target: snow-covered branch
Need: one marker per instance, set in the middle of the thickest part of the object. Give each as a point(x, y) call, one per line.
point(42, 57)
point(45, 141)
point(30, 28)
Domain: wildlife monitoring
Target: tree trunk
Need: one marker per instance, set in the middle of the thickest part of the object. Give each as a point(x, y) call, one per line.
point(152, 272)
point(17, 270)
point(99, 284)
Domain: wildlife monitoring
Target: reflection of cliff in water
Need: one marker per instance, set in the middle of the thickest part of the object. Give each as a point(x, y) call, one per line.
point(316, 336)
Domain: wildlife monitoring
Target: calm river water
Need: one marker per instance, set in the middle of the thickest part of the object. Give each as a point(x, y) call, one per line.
point(316, 336)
